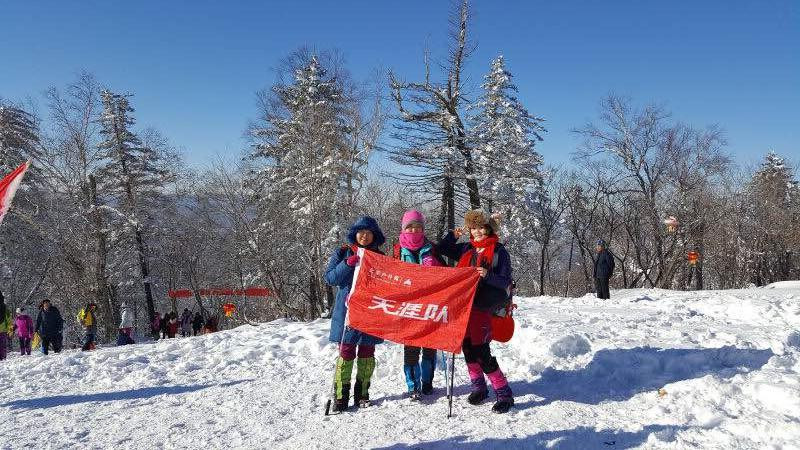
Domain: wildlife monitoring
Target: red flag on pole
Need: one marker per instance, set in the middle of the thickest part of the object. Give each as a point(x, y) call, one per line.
point(8, 187)
point(409, 304)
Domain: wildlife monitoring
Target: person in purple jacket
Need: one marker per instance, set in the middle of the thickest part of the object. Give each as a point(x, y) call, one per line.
point(493, 263)
point(23, 323)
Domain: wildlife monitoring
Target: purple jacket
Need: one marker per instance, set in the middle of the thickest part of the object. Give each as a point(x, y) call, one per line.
point(24, 325)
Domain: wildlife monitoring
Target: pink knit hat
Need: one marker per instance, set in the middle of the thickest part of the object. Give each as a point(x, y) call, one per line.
point(411, 216)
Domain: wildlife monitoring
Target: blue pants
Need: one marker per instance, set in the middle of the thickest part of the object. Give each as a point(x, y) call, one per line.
point(418, 373)
point(88, 340)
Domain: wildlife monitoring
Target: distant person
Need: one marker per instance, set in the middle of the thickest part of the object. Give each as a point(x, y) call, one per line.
point(197, 323)
point(186, 322)
point(50, 326)
point(87, 318)
point(164, 325)
point(125, 336)
point(156, 325)
point(6, 327)
point(172, 325)
point(603, 269)
point(211, 324)
point(24, 327)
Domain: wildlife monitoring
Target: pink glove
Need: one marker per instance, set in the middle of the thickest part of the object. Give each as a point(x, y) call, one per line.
point(352, 261)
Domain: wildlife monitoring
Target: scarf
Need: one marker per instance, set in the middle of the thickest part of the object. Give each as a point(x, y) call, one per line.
point(412, 241)
point(484, 258)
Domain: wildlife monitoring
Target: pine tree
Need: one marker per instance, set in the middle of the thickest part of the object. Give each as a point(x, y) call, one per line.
point(504, 137)
point(774, 222)
point(310, 166)
point(505, 134)
point(19, 137)
point(131, 174)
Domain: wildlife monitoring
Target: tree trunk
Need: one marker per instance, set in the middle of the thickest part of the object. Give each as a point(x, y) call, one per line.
point(313, 297)
point(102, 290)
point(144, 268)
point(450, 202)
point(542, 257)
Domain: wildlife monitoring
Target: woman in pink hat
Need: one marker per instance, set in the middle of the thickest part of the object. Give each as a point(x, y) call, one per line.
point(415, 248)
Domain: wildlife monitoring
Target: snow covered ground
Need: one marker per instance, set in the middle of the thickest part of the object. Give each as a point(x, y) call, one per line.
point(649, 368)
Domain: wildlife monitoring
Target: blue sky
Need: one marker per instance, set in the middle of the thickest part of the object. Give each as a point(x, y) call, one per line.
point(194, 66)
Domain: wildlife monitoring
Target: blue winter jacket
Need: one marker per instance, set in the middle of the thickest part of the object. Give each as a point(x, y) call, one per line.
point(498, 276)
point(49, 323)
point(604, 264)
point(340, 274)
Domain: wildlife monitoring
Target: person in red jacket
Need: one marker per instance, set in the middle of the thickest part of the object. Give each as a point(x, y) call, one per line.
point(490, 258)
point(172, 325)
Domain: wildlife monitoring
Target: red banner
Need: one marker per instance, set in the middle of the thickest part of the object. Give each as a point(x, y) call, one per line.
point(410, 304)
point(8, 186)
point(249, 292)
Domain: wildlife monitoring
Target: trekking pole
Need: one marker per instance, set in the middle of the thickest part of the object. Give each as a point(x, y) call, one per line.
point(452, 378)
point(333, 391)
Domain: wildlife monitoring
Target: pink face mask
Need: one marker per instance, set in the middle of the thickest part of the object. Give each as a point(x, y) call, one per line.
point(412, 241)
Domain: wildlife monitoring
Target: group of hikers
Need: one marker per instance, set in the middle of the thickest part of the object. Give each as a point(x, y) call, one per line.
point(47, 331)
point(167, 325)
point(483, 252)
point(490, 259)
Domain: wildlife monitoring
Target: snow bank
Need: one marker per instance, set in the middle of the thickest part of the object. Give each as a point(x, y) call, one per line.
point(793, 284)
point(648, 368)
point(569, 346)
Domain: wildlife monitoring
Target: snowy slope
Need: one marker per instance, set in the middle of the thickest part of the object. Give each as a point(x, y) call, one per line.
point(586, 374)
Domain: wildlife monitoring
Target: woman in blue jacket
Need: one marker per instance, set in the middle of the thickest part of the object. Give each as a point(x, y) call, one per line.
point(364, 233)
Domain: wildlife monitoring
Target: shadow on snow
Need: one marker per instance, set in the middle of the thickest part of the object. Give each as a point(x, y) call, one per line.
point(619, 374)
point(132, 394)
point(576, 438)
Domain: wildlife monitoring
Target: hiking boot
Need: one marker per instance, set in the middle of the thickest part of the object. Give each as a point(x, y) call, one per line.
point(360, 394)
point(427, 367)
point(365, 368)
point(502, 405)
point(341, 403)
point(477, 397)
point(414, 395)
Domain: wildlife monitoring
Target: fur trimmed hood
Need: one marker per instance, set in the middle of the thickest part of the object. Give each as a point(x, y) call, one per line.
point(366, 223)
point(476, 218)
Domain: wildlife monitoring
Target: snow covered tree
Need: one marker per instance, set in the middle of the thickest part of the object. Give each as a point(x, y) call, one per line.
point(312, 155)
point(504, 135)
point(19, 137)
point(773, 222)
point(431, 130)
point(131, 174)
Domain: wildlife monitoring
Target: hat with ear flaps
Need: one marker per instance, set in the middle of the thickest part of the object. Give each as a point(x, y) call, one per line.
point(476, 218)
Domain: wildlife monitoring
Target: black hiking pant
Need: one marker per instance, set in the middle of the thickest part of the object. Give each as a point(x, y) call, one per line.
point(55, 341)
point(601, 285)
